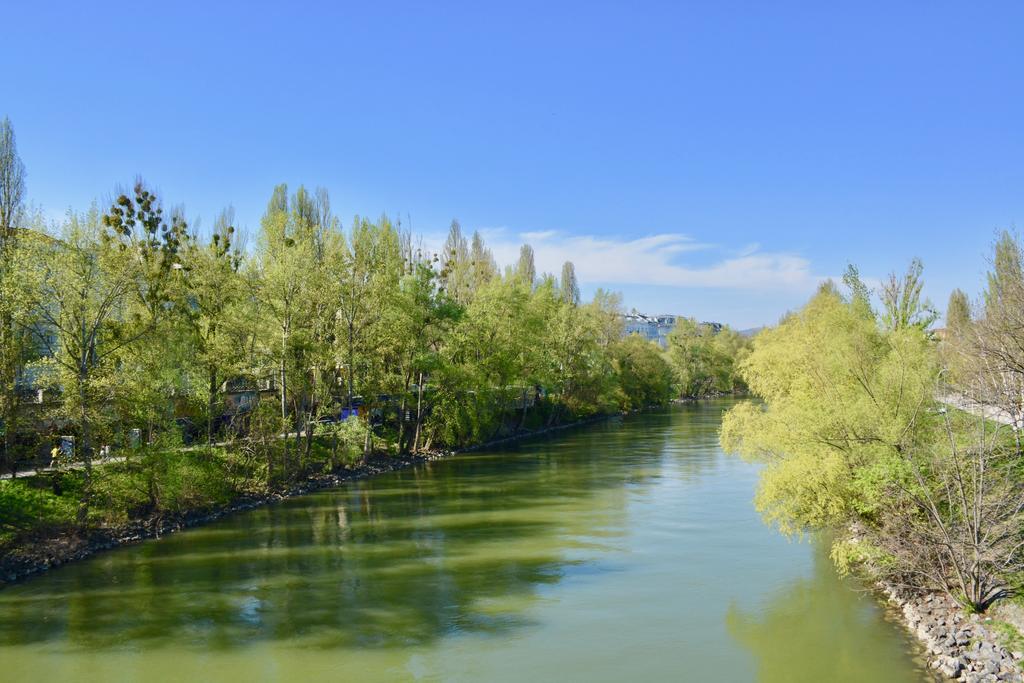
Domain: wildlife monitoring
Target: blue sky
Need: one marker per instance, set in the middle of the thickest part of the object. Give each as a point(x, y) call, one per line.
point(714, 159)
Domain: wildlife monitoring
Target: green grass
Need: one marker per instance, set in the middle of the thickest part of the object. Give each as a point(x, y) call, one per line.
point(25, 505)
point(1008, 635)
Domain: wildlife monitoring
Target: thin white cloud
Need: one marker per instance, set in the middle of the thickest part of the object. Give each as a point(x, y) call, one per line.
point(659, 259)
point(538, 236)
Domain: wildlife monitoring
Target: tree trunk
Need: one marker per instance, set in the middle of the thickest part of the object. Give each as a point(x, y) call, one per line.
point(284, 403)
point(351, 358)
point(419, 413)
point(211, 402)
point(83, 506)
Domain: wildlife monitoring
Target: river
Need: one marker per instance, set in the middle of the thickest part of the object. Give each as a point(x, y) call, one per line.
point(627, 550)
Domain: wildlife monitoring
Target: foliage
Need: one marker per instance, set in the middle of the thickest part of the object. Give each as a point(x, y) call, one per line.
point(705, 359)
point(852, 437)
point(901, 299)
point(645, 377)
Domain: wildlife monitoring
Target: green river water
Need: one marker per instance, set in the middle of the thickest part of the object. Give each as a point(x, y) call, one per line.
point(622, 551)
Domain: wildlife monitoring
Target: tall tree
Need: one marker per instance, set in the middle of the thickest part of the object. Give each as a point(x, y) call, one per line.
point(456, 266)
point(418, 321)
point(99, 280)
point(214, 297)
point(1006, 277)
point(860, 294)
point(525, 268)
point(367, 271)
point(483, 268)
point(958, 312)
point(901, 298)
point(990, 362)
point(12, 288)
point(290, 263)
point(12, 181)
point(570, 288)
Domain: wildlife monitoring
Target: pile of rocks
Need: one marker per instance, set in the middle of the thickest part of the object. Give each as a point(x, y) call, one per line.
point(961, 647)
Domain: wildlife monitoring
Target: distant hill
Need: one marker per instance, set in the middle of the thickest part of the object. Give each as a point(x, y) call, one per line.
point(750, 332)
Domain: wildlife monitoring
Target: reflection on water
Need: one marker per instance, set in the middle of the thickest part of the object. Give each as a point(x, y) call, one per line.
point(626, 549)
point(786, 649)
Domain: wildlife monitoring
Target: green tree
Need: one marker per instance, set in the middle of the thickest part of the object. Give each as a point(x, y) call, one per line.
point(151, 367)
point(901, 298)
point(295, 291)
point(958, 312)
point(643, 374)
point(483, 268)
point(851, 437)
point(988, 353)
point(457, 266)
point(570, 288)
point(525, 268)
point(14, 313)
point(1006, 277)
point(214, 302)
point(843, 398)
point(12, 181)
point(416, 326)
point(86, 304)
point(704, 359)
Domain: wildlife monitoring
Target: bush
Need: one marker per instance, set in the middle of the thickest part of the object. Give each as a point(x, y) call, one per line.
point(155, 481)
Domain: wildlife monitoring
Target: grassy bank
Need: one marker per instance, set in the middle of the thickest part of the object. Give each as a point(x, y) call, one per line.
point(157, 492)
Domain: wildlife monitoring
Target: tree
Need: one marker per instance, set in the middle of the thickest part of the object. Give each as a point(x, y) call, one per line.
point(851, 438)
point(842, 396)
point(901, 298)
point(578, 344)
point(12, 181)
point(151, 366)
point(483, 269)
point(85, 301)
point(525, 269)
point(704, 359)
point(570, 288)
point(860, 294)
point(418, 322)
point(958, 312)
point(1006, 278)
point(293, 284)
point(987, 354)
point(457, 267)
point(644, 376)
point(955, 347)
point(368, 269)
point(954, 514)
point(14, 313)
point(214, 295)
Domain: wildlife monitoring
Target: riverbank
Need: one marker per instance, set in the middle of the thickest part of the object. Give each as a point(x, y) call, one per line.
point(960, 646)
point(39, 553)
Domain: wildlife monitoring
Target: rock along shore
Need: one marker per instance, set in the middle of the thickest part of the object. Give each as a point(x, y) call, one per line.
point(43, 552)
point(960, 646)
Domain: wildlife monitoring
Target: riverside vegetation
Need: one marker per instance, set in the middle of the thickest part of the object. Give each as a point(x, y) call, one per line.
point(210, 372)
point(856, 436)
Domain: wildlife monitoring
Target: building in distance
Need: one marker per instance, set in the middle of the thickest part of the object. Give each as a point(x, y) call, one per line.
point(656, 327)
